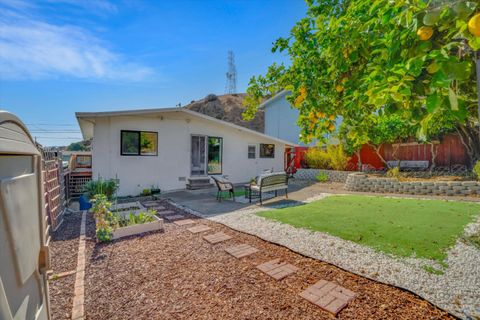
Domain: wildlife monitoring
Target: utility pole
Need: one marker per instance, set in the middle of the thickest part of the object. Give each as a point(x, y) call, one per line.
point(231, 84)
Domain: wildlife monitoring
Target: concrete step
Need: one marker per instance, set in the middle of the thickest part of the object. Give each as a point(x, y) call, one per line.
point(198, 186)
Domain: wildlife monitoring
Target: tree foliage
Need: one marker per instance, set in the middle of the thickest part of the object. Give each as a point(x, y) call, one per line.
point(365, 60)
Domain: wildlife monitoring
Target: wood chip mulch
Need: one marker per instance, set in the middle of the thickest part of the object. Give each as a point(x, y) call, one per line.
point(177, 275)
point(63, 258)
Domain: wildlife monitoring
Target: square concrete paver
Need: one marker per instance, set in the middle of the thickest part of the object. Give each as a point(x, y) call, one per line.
point(158, 208)
point(276, 269)
point(199, 228)
point(174, 217)
point(149, 204)
point(217, 237)
point(165, 212)
point(328, 296)
point(183, 222)
point(241, 250)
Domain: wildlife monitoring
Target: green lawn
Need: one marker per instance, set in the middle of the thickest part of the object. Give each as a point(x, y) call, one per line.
point(399, 226)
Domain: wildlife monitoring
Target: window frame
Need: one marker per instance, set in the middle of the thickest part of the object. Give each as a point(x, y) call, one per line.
point(254, 151)
point(221, 155)
point(262, 155)
point(139, 154)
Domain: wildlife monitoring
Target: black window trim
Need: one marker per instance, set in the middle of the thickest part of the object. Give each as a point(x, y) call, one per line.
point(263, 156)
point(139, 154)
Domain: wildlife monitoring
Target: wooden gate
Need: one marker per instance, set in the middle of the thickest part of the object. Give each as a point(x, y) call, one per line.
point(54, 186)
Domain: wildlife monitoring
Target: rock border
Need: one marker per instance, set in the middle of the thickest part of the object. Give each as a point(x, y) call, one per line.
point(362, 182)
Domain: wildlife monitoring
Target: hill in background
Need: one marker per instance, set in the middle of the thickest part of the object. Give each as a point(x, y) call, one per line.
point(228, 107)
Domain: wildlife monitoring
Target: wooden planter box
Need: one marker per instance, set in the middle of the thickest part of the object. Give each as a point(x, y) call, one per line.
point(138, 228)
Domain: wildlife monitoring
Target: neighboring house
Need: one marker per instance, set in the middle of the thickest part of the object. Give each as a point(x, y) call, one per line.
point(170, 148)
point(281, 120)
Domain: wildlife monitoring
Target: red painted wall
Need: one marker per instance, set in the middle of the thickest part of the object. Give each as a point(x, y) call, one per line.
point(450, 151)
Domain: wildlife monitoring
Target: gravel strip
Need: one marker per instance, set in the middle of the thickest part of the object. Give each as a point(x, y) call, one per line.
point(456, 291)
point(177, 275)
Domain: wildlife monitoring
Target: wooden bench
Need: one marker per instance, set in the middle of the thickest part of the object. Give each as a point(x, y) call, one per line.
point(409, 164)
point(268, 183)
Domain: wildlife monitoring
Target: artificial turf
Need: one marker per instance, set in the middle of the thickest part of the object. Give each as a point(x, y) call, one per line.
point(403, 227)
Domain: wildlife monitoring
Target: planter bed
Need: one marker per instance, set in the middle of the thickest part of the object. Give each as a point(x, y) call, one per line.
point(138, 228)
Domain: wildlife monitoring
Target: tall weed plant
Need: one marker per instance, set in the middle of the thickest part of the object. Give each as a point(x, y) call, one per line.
point(331, 158)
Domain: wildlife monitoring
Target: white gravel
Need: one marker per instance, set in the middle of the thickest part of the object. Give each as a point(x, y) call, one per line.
point(457, 290)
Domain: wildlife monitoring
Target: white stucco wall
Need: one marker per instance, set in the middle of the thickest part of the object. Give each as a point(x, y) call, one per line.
point(174, 142)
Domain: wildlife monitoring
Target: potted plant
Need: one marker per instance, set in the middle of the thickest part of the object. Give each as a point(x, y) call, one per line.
point(155, 189)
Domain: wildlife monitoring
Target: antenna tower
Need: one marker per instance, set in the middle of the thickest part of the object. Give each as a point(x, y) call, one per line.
point(231, 85)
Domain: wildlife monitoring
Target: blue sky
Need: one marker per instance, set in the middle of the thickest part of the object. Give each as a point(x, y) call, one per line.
point(62, 56)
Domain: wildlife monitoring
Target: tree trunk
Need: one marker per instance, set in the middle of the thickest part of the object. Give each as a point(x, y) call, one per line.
point(377, 151)
point(470, 138)
point(359, 160)
point(433, 152)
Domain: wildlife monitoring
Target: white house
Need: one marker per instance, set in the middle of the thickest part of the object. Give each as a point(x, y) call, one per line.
point(281, 120)
point(169, 147)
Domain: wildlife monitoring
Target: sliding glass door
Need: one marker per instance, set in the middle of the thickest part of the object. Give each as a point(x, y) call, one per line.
point(206, 155)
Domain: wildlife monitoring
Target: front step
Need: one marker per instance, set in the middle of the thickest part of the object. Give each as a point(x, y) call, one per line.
point(199, 183)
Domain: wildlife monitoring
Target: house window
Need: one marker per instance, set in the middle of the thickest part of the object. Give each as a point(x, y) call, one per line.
point(267, 150)
point(139, 143)
point(215, 146)
point(252, 151)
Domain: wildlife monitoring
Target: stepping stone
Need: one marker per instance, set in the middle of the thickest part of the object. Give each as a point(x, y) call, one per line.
point(165, 212)
point(328, 296)
point(174, 217)
point(276, 269)
point(158, 208)
point(183, 222)
point(150, 203)
point(217, 237)
point(241, 250)
point(199, 228)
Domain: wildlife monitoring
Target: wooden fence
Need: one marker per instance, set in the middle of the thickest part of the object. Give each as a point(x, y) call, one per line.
point(55, 191)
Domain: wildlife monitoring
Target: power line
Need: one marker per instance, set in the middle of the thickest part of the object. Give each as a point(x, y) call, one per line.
point(52, 124)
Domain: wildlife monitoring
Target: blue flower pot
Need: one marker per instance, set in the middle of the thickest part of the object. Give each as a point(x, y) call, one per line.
point(84, 203)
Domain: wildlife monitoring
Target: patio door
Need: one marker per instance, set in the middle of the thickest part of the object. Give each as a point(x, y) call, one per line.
point(199, 156)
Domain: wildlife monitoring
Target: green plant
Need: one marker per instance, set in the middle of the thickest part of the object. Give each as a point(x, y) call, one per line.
point(318, 158)
point(338, 158)
point(476, 170)
point(433, 270)
point(322, 177)
point(332, 157)
point(106, 187)
point(394, 173)
point(131, 219)
point(146, 192)
point(103, 217)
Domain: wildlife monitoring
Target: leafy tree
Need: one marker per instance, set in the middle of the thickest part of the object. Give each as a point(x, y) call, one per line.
point(360, 59)
point(76, 146)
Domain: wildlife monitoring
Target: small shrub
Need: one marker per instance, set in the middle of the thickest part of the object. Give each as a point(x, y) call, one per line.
point(146, 192)
point(476, 170)
point(322, 177)
point(338, 158)
point(394, 173)
point(106, 187)
point(331, 158)
point(318, 158)
point(131, 219)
